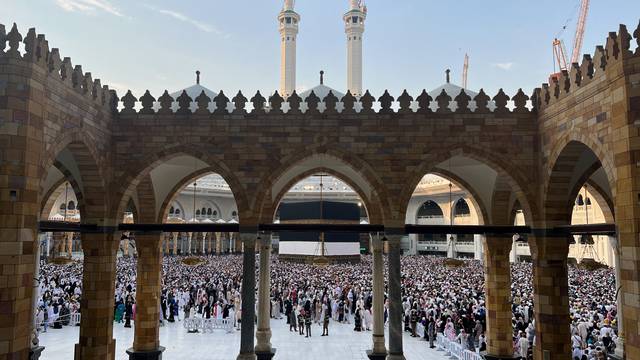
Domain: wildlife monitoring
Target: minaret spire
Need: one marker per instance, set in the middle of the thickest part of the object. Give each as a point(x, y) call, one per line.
point(354, 28)
point(288, 21)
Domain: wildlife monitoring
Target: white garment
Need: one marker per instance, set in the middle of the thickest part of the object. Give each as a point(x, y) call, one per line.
point(368, 317)
point(523, 346)
point(576, 341)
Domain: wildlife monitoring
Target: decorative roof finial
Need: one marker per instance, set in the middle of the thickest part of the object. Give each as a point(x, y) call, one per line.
point(321, 77)
point(289, 4)
point(448, 76)
point(198, 77)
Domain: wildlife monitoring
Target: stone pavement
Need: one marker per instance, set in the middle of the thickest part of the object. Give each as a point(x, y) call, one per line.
point(343, 343)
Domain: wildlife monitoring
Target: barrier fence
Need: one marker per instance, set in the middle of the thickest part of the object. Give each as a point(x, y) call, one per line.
point(207, 325)
point(74, 320)
point(455, 350)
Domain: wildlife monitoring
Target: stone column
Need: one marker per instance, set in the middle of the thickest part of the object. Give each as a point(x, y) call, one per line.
point(551, 296)
point(209, 242)
point(36, 349)
point(497, 275)
point(620, 319)
point(247, 352)
point(234, 241)
point(98, 288)
point(395, 299)
point(218, 243)
point(478, 248)
point(21, 134)
point(69, 244)
point(146, 341)
point(264, 351)
point(379, 350)
point(126, 244)
point(175, 243)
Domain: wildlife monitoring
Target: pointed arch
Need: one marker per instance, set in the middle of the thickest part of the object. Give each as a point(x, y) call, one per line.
point(429, 208)
point(474, 198)
point(75, 155)
point(570, 170)
point(171, 198)
point(345, 167)
point(519, 183)
point(134, 174)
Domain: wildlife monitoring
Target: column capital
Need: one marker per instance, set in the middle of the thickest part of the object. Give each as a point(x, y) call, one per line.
point(391, 237)
point(249, 239)
point(394, 241)
point(549, 248)
point(498, 242)
point(264, 239)
point(148, 239)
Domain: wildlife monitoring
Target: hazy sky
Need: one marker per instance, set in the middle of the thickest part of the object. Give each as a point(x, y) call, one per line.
point(158, 45)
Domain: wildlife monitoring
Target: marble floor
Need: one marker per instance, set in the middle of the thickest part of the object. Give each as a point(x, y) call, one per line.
point(343, 343)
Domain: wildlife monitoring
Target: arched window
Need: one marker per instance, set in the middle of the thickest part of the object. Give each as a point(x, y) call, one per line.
point(430, 210)
point(234, 214)
point(63, 206)
point(177, 211)
point(72, 205)
point(197, 212)
point(588, 201)
point(580, 200)
point(209, 211)
point(462, 208)
point(215, 212)
point(203, 211)
point(172, 210)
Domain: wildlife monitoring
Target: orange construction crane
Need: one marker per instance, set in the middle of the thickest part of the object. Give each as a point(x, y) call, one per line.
point(582, 23)
point(465, 71)
point(559, 50)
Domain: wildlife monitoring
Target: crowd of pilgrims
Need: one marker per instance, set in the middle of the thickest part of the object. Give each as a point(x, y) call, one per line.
point(436, 298)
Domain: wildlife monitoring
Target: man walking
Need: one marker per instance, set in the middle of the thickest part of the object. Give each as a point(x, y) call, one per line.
point(325, 324)
point(431, 330)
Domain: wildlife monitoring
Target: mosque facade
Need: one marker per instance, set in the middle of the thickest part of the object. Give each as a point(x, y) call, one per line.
point(514, 155)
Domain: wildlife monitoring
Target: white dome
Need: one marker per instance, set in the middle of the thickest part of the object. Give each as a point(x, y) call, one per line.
point(194, 91)
point(452, 90)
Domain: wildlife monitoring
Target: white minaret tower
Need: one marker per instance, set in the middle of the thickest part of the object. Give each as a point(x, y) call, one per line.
point(288, 20)
point(354, 28)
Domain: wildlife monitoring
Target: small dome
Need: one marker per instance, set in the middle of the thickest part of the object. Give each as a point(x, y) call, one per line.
point(453, 90)
point(321, 92)
point(194, 91)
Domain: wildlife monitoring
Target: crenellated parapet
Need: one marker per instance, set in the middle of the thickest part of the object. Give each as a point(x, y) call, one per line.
point(593, 68)
point(36, 51)
point(461, 103)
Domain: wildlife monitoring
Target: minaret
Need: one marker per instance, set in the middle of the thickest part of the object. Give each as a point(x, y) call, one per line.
point(354, 28)
point(288, 20)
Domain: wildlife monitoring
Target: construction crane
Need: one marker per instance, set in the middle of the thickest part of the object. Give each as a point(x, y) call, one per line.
point(559, 50)
point(465, 71)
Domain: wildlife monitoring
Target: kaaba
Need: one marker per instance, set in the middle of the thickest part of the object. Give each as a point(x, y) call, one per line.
point(305, 246)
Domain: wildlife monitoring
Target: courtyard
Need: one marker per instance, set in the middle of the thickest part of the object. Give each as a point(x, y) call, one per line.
point(343, 343)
